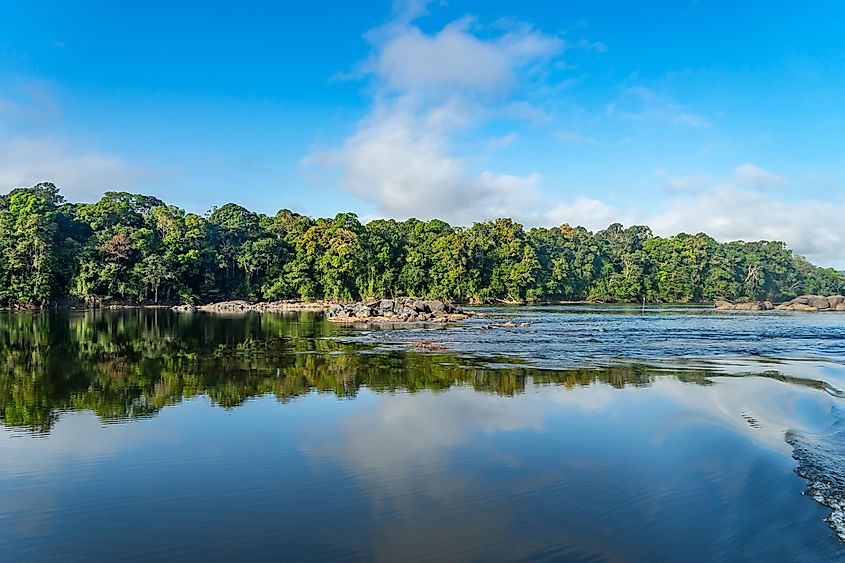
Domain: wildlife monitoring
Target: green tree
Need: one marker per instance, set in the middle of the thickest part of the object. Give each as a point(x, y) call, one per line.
point(134, 248)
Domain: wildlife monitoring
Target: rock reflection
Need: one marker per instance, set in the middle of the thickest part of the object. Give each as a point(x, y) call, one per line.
point(439, 456)
point(130, 364)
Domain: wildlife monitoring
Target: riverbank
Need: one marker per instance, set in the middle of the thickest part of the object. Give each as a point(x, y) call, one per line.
point(808, 303)
point(397, 310)
point(241, 306)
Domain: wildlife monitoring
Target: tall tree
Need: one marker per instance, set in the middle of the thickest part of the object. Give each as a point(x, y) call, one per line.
point(134, 248)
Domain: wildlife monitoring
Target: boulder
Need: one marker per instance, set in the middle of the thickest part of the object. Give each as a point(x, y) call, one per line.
point(362, 311)
point(434, 306)
point(184, 309)
point(814, 303)
point(338, 311)
point(723, 305)
point(240, 306)
point(818, 302)
point(399, 309)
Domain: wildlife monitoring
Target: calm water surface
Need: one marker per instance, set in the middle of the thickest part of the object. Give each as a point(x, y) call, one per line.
point(597, 434)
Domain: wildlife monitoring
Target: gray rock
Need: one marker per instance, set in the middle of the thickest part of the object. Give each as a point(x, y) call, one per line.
point(399, 309)
point(818, 301)
point(434, 306)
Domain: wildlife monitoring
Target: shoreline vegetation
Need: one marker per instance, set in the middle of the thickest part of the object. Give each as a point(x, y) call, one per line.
point(135, 250)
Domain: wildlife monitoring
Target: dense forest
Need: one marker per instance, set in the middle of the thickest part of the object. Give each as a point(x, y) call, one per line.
point(129, 248)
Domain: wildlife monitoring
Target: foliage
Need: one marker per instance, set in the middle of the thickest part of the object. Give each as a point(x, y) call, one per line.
point(130, 248)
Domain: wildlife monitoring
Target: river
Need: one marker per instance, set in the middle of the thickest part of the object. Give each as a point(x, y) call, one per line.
point(597, 433)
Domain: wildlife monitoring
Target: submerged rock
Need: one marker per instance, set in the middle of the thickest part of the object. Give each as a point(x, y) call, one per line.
point(507, 324)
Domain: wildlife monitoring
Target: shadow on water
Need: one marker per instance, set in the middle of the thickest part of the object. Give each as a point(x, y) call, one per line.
point(130, 364)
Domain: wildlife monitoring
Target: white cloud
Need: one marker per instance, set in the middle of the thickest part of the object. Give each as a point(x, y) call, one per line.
point(28, 105)
point(431, 89)
point(503, 142)
point(583, 211)
point(525, 111)
point(81, 174)
point(413, 61)
point(754, 176)
point(32, 151)
point(576, 138)
point(400, 161)
point(645, 105)
point(740, 208)
point(428, 89)
point(685, 183)
point(595, 46)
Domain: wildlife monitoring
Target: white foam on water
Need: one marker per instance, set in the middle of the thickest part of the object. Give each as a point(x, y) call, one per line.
point(821, 461)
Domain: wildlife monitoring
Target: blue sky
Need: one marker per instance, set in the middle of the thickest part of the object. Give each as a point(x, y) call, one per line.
point(721, 117)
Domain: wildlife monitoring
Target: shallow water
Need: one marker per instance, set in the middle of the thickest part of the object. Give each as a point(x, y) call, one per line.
point(597, 434)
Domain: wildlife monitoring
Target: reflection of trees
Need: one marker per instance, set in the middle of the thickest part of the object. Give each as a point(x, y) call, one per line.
point(130, 364)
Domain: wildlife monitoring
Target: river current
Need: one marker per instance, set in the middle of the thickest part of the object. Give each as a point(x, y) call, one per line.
point(597, 433)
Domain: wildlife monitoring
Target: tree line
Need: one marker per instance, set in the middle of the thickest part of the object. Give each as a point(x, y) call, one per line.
point(131, 248)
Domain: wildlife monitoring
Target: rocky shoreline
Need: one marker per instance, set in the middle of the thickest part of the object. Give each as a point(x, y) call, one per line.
point(722, 305)
point(402, 309)
point(814, 303)
point(398, 310)
point(809, 303)
point(240, 306)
